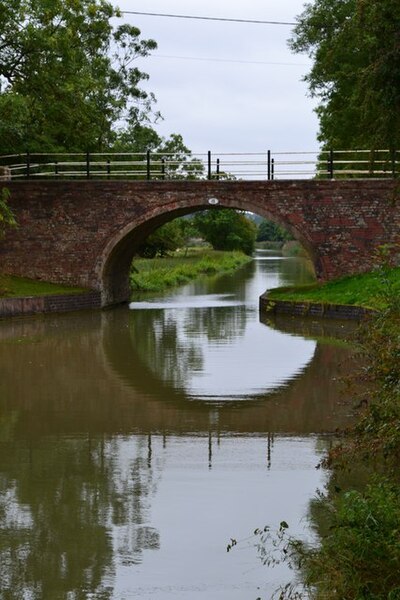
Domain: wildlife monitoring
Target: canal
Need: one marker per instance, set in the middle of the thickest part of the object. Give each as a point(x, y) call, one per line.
point(135, 442)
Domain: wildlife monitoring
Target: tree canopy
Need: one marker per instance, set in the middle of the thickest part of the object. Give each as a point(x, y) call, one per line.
point(163, 240)
point(270, 232)
point(355, 48)
point(67, 75)
point(227, 229)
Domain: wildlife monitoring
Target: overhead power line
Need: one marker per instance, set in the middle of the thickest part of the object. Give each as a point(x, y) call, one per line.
point(253, 21)
point(229, 60)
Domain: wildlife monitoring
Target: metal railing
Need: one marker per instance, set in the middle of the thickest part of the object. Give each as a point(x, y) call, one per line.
point(326, 164)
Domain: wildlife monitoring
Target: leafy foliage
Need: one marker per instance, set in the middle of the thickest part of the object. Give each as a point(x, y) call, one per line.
point(271, 232)
point(355, 49)
point(227, 229)
point(169, 237)
point(178, 160)
point(360, 557)
point(7, 218)
point(164, 240)
point(66, 75)
point(358, 521)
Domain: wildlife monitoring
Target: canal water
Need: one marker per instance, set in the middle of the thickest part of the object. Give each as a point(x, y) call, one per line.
point(136, 442)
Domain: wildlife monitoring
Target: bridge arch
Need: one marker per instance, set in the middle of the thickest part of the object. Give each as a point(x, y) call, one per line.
point(84, 232)
point(115, 261)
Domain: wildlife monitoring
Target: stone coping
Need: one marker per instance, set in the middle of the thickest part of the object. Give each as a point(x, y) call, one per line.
point(30, 305)
point(314, 309)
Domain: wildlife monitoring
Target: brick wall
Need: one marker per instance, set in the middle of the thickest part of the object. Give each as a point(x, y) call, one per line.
point(313, 309)
point(85, 232)
point(11, 307)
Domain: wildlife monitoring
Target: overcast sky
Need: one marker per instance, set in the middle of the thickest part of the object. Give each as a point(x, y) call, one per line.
point(227, 106)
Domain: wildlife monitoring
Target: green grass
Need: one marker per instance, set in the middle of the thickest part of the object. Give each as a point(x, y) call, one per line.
point(368, 290)
point(153, 275)
point(158, 274)
point(11, 287)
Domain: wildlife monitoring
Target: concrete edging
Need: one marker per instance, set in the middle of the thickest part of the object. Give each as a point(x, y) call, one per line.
point(30, 305)
point(314, 309)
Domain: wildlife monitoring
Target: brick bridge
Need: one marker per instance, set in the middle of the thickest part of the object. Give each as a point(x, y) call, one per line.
point(85, 232)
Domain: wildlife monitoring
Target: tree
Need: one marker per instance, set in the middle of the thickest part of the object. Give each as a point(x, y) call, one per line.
point(227, 229)
point(171, 158)
point(66, 75)
point(269, 231)
point(163, 240)
point(355, 49)
point(179, 161)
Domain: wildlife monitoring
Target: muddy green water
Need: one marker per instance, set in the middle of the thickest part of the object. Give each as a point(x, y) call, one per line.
point(134, 443)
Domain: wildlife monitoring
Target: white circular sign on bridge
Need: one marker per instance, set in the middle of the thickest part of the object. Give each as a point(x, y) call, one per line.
point(213, 201)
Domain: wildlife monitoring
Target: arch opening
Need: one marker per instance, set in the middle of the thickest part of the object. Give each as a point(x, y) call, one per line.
point(115, 263)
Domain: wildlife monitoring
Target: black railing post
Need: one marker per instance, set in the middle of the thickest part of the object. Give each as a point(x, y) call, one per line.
point(56, 167)
point(148, 174)
point(330, 164)
point(163, 169)
point(217, 169)
point(87, 165)
point(209, 175)
point(272, 169)
point(269, 164)
point(28, 164)
point(108, 168)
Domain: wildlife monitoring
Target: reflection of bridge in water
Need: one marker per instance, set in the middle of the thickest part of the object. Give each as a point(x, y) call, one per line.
point(108, 389)
point(89, 431)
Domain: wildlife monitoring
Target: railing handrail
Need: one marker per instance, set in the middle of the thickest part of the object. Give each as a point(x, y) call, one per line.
point(327, 163)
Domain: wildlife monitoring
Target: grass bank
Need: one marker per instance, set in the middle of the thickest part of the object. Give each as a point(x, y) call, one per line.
point(159, 274)
point(358, 516)
point(14, 287)
point(369, 290)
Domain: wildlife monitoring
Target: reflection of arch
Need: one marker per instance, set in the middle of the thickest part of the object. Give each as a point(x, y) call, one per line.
point(114, 265)
point(300, 405)
point(106, 389)
point(125, 358)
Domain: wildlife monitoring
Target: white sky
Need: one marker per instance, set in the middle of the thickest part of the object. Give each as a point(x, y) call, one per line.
point(223, 106)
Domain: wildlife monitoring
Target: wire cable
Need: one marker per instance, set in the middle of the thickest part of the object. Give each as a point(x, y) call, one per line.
point(170, 16)
point(228, 60)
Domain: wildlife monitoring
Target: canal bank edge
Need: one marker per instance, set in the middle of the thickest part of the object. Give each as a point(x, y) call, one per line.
point(29, 305)
point(313, 309)
point(51, 303)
